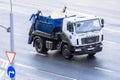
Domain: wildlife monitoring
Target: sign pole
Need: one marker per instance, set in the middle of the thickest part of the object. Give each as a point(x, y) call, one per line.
point(11, 33)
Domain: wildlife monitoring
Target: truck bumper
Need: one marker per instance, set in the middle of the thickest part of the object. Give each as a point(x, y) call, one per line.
point(93, 48)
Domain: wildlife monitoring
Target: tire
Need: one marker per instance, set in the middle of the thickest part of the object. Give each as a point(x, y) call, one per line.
point(91, 54)
point(66, 52)
point(40, 46)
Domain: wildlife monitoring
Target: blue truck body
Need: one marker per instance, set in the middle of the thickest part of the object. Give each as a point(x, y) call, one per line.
point(47, 24)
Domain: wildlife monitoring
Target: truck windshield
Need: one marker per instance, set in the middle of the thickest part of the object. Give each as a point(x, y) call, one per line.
point(87, 26)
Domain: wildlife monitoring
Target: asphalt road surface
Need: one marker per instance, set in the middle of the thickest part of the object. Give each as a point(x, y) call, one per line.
point(31, 66)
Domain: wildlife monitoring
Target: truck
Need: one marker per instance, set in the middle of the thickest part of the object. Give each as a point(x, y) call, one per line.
point(71, 34)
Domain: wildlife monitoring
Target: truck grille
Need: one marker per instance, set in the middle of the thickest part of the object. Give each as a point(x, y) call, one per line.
point(90, 39)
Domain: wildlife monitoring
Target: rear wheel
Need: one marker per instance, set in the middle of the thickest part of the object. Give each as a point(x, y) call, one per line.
point(66, 52)
point(40, 46)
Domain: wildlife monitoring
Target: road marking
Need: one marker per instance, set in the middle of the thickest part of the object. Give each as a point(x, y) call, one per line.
point(3, 64)
point(7, 63)
point(111, 42)
point(102, 69)
point(18, 34)
point(112, 30)
point(25, 66)
point(29, 67)
point(2, 60)
point(1, 74)
point(40, 54)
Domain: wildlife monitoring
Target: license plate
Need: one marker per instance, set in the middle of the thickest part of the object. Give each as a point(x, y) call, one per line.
point(91, 48)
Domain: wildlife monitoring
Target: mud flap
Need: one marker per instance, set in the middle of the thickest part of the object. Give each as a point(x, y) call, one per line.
point(30, 39)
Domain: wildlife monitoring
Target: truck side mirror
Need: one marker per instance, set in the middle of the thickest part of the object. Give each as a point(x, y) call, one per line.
point(102, 22)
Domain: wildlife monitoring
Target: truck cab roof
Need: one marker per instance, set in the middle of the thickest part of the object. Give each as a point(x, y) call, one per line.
point(80, 17)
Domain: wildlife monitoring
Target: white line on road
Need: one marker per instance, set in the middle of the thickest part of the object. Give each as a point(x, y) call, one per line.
point(29, 67)
point(112, 30)
point(18, 34)
point(111, 42)
point(40, 54)
point(102, 69)
point(4, 65)
point(7, 63)
point(25, 66)
point(2, 60)
point(1, 74)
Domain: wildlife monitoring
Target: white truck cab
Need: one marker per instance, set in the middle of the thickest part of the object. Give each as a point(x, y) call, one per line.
point(84, 33)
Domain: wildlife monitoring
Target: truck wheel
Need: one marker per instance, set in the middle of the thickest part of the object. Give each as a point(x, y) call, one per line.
point(40, 45)
point(91, 54)
point(66, 52)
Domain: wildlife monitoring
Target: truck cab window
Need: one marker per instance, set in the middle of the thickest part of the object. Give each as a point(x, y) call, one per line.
point(70, 27)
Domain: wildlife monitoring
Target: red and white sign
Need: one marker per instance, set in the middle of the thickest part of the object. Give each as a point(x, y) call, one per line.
point(10, 56)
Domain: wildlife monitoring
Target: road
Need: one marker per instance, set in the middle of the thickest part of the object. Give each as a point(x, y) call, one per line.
point(31, 66)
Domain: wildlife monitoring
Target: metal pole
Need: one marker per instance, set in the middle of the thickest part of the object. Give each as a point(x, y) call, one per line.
point(11, 33)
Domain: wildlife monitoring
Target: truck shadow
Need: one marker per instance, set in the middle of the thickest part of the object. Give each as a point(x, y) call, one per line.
point(79, 65)
point(79, 60)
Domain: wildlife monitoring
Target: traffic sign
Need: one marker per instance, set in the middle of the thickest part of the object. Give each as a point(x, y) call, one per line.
point(11, 72)
point(10, 56)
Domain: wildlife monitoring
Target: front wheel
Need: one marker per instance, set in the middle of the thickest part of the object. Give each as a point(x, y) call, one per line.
point(66, 52)
point(40, 45)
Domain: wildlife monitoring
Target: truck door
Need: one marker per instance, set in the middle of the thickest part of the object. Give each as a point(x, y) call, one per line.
point(70, 33)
